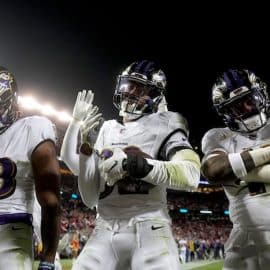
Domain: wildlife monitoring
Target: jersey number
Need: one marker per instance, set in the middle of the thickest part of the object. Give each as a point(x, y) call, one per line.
point(127, 186)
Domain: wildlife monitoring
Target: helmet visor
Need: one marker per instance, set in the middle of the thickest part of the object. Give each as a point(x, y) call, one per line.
point(243, 106)
point(128, 85)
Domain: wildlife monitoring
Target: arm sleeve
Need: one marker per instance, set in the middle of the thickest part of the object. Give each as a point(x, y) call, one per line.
point(89, 176)
point(69, 147)
point(181, 172)
point(88, 181)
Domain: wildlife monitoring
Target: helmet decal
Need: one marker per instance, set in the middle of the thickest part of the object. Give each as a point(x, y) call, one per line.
point(5, 81)
point(8, 99)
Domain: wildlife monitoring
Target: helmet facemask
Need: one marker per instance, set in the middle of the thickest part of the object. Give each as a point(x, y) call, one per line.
point(242, 108)
point(8, 100)
point(247, 110)
point(139, 90)
point(135, 98)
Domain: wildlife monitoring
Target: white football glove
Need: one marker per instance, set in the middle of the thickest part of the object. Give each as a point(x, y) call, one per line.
point(90, 126)
point(82, 105)
point(111, 169)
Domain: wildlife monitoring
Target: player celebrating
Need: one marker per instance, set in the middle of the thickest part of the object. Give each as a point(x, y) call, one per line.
point(126, 174)
point(238, 157)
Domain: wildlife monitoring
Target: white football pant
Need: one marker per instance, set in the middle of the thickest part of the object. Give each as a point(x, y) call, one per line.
point(247, 250)
point(16, 246)
point(145, 245)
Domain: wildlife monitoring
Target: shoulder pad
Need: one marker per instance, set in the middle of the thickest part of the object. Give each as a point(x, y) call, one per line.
point(215, 139)
point(38, 120)
point(42, 125)
point(176, 121)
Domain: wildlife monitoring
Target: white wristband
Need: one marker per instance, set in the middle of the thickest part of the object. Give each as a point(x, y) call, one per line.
point(237, 164)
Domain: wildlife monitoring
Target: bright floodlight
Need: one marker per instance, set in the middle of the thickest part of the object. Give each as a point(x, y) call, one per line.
point(48, 110)
point(30, 103)
point(64, 116)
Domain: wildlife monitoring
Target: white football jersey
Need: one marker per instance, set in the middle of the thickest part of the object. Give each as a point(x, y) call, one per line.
point(18, 142)
point(157, 135)
point(246, 209)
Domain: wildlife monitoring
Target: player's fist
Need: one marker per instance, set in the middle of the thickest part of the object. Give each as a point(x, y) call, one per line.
point(83, 104)
point(111, 166)
point(136, 164)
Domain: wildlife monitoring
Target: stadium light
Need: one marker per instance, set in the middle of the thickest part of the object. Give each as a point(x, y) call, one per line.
point(206, 212)
point(183, 210)
point(30, 103)
point(48, 110)
point(64, 116)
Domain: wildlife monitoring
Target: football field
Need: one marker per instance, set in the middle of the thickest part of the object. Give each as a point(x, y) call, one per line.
point(200, 265)
point(203, 265)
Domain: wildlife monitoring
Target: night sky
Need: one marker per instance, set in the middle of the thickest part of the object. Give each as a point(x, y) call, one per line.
point(56, 48)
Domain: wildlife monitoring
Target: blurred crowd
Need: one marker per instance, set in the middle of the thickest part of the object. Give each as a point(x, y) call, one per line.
point(199, 236)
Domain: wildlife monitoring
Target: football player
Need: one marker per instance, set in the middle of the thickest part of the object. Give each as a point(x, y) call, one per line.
point(238, 157)
point(30, 144)
point(126, 174)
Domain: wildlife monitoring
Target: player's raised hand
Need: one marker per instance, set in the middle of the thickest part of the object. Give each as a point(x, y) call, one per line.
point(90, 126)
point(83, 104)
